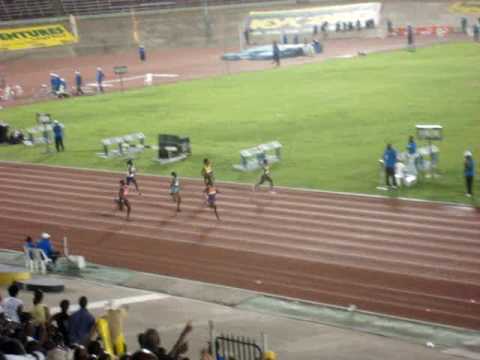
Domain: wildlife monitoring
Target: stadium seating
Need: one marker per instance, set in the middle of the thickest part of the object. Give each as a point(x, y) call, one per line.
point(27, 9)
point(30, 9)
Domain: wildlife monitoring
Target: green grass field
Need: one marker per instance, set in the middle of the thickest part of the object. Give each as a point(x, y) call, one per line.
point(333, 119)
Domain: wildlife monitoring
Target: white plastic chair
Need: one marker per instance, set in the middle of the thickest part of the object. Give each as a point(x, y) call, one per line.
point(40, 261)
point(28, 257)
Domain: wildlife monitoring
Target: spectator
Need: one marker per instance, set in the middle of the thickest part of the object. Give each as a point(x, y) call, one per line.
point(144, 354)
point(82, 324)
point(150, 340)
point(35, 350)
point(78, 83)
point(95, 349)
point(56, 349)
point(389, 160)
point(469, 172)
point(40, 312)
point(62, 320)
point(100, 77)
point(152, 343)
point(58, 134)
point(12, 306)
point(80, 353)
point(13, 346)
point(45, 244)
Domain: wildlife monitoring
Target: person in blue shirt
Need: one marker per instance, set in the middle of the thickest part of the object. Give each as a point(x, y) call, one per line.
point(81, 324)
point(141, 53)
point(45, 244)
point(100, 77)
point(469, 172)
point(411, 146)
point(78, 82)
point(276, 53)
point(58, 134)
point(54, 83)
point(29, 244)
point(389, 160)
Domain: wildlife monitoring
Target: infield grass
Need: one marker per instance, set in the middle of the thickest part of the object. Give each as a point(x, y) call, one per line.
point(333, 119)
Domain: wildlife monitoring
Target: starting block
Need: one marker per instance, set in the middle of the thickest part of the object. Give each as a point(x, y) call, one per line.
point(251, 159)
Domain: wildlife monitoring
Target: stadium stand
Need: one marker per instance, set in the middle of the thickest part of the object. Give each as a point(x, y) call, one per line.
point(31, 9)
point(67, 333)
point(28, 9)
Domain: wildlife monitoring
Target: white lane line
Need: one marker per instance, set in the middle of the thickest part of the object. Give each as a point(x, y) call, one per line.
point(122, 301)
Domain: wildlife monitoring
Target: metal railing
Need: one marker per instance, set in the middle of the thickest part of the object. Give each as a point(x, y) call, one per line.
point(240, 348)
point(23, 9)
point(33, 9)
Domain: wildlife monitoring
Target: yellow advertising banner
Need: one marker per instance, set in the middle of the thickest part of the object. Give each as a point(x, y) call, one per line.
point(35, 37)
point(466, 7)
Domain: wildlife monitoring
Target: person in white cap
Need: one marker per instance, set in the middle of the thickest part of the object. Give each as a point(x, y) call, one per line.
point(469, 172)
point(45, 244)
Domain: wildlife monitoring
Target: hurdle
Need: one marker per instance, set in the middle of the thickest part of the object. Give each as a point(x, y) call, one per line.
point(252, 158)
point(126, 145)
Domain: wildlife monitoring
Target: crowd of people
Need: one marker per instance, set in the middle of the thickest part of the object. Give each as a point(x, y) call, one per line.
point(32, 333)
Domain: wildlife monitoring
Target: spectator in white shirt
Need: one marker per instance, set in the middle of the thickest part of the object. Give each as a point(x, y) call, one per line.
point(11, 305)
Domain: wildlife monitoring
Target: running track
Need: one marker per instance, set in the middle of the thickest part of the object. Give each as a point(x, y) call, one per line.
point(412, 259)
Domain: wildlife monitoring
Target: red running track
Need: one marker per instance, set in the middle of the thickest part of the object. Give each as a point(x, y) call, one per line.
point(412, 259)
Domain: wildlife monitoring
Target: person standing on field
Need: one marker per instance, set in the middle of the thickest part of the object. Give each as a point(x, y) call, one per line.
point(58, 134)
point(276, 53)
point(410, 38)
point(100, 77)
point(469, 172)
point(389, 161)
point(78, 82)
